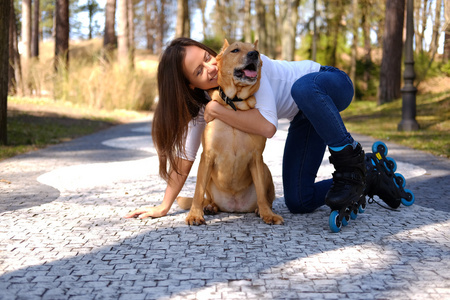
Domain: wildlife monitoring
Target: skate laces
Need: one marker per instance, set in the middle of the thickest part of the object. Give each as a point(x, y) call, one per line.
point(372, 200)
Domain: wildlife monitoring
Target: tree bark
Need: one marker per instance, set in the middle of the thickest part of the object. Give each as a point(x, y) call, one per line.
point(131, 43)
point(446, 29)
point(183, 21)
point(391, 63)
point(436, 29)
point(314, 37)
point(367, 42)
point(247, 21)
point(202, 6)
point(35, 35)
point(5, 11)
point(261, 27)
point(161, 27)
point(15, 81)
point(26, 28)
point(355, 26)
point(62, 33)
point(110, 39)
point(123, 46)
point(271, 22)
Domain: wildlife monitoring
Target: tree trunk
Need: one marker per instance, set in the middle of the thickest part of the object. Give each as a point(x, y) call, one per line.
point(261, 30)
point(35, 35)
point(5, 11)
point(290, 20)
point(334, 12)
point(161, 27)
point(123, 31)
point(62, 34)
point(367, 43)
point(355, 26)
point(148, 25)
point(248, 21)
point(421, 26)
point(183, 23)
point(202, 6)
point(391, 63)
point(26, 28)
point(15, 81)
point(446, 29)
point(271, 30)
point(314, 37)
point(436, 29)
point(110, 39)
point(131, 43)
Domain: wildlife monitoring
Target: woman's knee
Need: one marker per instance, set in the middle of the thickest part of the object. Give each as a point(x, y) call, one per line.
point(298, 204)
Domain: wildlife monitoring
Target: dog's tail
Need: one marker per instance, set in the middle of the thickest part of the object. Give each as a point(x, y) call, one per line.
point(184, 202)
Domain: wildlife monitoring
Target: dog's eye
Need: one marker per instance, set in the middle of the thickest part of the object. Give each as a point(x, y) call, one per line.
point(235, 50)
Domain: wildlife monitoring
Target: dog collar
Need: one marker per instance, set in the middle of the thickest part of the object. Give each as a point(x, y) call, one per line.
point(228, 100)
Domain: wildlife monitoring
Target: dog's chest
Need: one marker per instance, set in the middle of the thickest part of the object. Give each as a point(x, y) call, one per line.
point(222, 140)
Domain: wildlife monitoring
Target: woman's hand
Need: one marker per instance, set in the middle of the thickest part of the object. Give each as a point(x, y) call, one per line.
point(212, 109)
point(250, 121)
point(145, 212)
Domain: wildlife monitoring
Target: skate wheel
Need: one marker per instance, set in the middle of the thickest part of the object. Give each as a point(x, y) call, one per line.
point(333, 221)
point(409, 200)
point(399, 180)
point(353, 215)
point(345, 221)
point(380, 147)
point(362, 208)
point(390, 164)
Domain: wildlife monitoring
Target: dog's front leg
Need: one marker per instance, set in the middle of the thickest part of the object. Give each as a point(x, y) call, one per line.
point(195, 216)
point(264, 205)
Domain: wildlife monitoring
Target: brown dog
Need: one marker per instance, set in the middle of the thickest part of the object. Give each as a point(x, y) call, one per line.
point(232, 176)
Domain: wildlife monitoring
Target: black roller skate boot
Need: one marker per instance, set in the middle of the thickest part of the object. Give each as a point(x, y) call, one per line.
point(346, 193)
point(382, 181)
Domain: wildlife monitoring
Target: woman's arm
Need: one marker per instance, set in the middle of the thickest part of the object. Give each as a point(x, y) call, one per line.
point(174, 187)
point(250, 121)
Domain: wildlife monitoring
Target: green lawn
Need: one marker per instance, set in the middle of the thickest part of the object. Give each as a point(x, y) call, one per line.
point(433, 116)
point(36, 123)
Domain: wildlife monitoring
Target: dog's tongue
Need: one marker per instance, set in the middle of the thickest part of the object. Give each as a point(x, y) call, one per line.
point(250, 73)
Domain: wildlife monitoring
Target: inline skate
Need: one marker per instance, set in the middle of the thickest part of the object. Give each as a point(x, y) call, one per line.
point(380, 180)
point(346, 195)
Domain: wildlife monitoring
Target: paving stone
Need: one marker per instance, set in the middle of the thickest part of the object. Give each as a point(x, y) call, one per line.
point(62, 234)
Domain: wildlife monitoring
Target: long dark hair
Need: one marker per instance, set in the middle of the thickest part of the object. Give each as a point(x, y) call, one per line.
point(177, 105)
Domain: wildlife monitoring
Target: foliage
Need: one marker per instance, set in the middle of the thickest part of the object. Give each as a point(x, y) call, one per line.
point(214, 43)
point(445, 68)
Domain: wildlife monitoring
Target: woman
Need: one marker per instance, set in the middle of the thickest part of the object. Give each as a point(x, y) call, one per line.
point(306, 93)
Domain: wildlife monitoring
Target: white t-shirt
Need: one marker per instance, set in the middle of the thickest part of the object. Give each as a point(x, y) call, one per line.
point(273, 98)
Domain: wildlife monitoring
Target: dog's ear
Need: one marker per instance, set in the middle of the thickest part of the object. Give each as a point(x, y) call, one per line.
point(256, 44)
point(225, 45)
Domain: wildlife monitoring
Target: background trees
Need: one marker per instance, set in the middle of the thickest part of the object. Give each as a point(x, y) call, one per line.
point(362, 37)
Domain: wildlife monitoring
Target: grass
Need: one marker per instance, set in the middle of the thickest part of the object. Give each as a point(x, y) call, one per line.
point(433, 116)
point(35, 123)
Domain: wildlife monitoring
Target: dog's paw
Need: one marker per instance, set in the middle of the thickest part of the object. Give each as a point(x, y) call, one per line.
point(195, 220)
point(210, 209)
point(273, 219)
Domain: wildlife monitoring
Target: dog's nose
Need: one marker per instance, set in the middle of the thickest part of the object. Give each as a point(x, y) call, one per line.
point(253, 54)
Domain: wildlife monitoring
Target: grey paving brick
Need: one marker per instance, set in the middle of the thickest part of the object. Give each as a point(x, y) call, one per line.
point(62, 235)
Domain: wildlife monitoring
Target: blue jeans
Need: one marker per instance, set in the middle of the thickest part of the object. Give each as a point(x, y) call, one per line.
point(320, 96)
